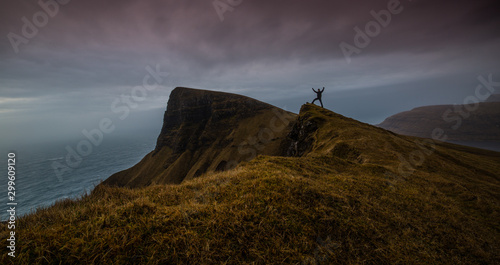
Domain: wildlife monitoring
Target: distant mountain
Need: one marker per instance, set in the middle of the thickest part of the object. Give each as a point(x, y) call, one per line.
point(331, 190)
point(493, 98)
point(459, 122)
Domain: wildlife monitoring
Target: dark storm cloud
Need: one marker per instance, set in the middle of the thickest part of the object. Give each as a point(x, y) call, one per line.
point(258, 29)
point(91, 52)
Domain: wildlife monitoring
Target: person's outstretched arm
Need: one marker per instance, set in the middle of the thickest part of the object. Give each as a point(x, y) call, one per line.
point(314, 90)
point(323, 89)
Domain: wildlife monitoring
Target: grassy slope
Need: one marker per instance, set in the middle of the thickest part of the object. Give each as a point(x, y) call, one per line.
point(334, 206)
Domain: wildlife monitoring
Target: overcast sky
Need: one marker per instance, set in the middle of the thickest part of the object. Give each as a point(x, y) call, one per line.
point(64, 76)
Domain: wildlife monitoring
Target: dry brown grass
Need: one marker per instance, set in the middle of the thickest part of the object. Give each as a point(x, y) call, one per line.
point(324, 208)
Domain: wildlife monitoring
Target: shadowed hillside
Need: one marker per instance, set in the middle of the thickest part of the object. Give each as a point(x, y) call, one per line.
point(346, 193)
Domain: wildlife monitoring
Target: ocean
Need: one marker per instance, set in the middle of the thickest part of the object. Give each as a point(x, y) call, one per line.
point(37, 185)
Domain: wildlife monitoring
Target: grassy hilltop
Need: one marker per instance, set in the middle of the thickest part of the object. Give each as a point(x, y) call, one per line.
point(341, 198)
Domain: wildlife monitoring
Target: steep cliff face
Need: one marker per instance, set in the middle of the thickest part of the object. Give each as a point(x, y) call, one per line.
point(208, 131)
point(197, 118)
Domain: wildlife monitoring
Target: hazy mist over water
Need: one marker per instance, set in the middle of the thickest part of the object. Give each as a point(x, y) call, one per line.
point(37, 184)
point(40, 143)
point(25, 132)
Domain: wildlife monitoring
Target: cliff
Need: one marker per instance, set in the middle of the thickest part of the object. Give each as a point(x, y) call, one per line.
point(207, 131)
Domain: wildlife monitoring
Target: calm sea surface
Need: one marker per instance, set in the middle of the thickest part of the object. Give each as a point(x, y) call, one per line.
point(38, 186)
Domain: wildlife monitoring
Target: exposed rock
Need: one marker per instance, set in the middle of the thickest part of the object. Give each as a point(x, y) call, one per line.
point(301, 136)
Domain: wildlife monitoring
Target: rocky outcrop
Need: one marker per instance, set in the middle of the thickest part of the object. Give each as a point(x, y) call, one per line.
point(300, 138)
point(207, 131)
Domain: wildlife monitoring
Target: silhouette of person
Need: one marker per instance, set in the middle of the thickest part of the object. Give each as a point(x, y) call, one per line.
point(318, 96)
